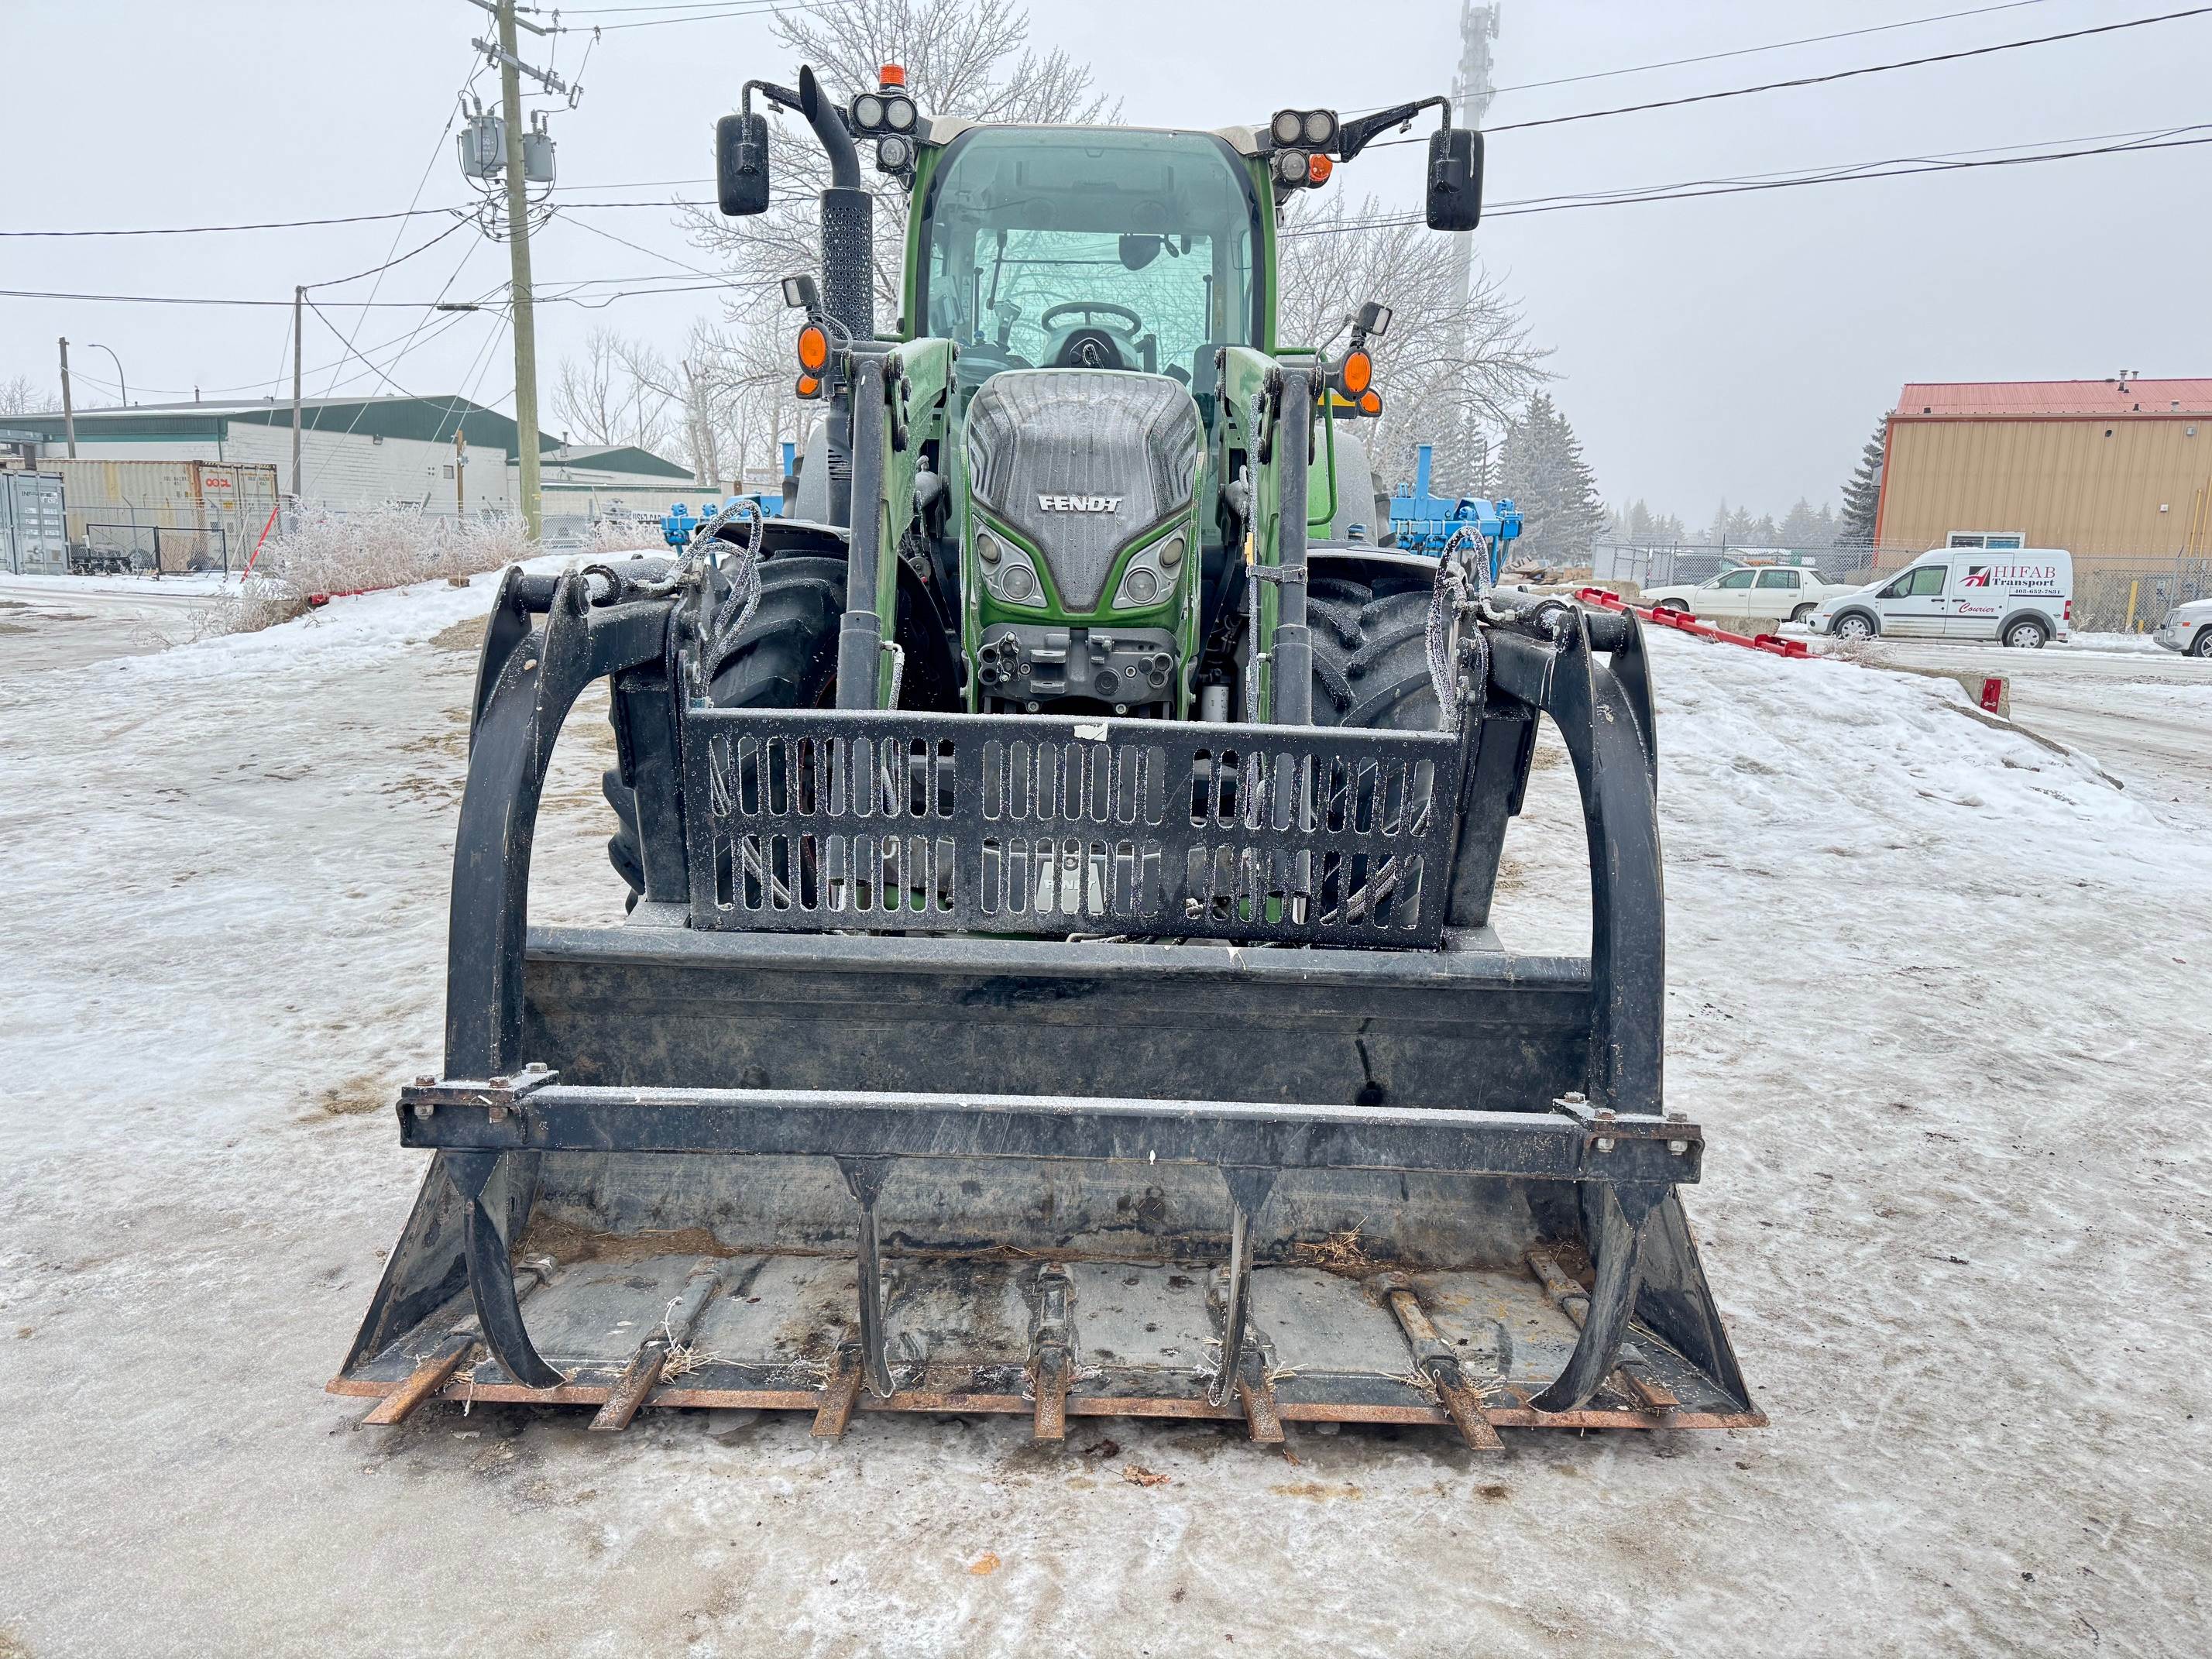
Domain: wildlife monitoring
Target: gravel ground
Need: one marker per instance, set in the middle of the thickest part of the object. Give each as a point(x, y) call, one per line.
point(1922, 970)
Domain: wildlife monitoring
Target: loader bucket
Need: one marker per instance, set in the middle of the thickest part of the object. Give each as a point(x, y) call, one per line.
point(983, 1064)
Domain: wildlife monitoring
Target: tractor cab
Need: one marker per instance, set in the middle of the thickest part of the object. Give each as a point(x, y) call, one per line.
point(1088, 248)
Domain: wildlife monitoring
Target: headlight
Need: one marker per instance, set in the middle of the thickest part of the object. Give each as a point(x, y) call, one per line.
point(898, 114)
point(1150, 575)
point(867, 112)
point(1008, 575)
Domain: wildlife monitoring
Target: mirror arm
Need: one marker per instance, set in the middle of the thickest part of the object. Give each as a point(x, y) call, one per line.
point(1353, 137)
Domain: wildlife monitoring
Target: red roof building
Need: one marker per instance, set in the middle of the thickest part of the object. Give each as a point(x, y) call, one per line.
point(2117, 472)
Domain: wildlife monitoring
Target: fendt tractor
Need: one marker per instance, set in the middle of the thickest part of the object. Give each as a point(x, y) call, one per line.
point(1058, 978)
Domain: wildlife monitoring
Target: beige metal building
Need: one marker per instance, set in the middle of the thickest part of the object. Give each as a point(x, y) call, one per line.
point(2117, 472)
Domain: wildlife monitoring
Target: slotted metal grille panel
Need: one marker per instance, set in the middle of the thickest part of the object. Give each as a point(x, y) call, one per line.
point(814, 821)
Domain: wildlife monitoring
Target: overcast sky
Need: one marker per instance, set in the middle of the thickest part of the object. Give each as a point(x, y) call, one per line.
point(1740, 347)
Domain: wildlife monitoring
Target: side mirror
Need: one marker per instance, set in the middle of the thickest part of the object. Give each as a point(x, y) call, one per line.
point(1455, 200)
point(741, 164)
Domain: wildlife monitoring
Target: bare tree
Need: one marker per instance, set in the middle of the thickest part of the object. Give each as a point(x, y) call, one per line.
point(618, 394)
point(23, 396)
point(1452, 373)
point(969, 58)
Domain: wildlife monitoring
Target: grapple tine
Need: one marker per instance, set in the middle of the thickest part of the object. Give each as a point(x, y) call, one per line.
point(1248, 1192)
point(1623, 1213)
point(491, 1285)
point(464, 1346)
point(865, 1176)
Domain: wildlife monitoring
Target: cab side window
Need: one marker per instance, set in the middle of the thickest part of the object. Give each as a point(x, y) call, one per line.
point(1927, 581)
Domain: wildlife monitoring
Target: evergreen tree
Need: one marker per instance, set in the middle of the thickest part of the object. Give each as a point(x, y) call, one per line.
point(1541, 469)
point(1802, 528)
point(1862, 493)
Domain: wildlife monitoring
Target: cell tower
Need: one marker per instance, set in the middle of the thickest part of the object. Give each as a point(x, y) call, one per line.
point(1472, 91)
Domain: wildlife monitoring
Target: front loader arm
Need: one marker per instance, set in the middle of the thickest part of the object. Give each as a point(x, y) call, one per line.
point(1270, 408)
point(900, 399)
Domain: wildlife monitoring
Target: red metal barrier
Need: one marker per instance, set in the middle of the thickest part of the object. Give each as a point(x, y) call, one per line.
point(1683, 623)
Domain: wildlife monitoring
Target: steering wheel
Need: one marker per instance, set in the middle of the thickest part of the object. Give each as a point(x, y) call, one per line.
point(1089, 308)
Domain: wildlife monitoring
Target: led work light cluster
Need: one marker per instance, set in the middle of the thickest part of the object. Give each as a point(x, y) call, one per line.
point(1303, 139)
point(889, 117)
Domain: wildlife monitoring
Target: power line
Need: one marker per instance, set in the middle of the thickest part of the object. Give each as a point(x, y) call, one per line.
point(1777, 46)
point(377, 271)
point(267, 224)
point(1849, 74)
point(699, 14)
point(1694, 189)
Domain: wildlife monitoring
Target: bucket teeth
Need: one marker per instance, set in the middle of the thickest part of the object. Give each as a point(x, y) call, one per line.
point(1052, 1349)
point(841, 1393)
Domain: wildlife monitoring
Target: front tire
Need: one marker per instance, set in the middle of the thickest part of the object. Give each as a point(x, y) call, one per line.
point(2027, 634)
point(2202, 647)
point(1370, 654)
point(786, 658)
point(1853, 630)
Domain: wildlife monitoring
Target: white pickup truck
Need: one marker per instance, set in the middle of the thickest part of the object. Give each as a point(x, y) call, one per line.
point(1767, 592)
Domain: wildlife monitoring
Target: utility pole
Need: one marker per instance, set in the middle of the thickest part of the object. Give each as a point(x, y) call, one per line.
point(69, 410)
point(518, 231)
point(460, 477)
point(299, 315)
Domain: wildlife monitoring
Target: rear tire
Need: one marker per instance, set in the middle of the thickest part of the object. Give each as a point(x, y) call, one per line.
point(1370, 654)
point(1801, 613)
point(2027, 635)
point(786, 658)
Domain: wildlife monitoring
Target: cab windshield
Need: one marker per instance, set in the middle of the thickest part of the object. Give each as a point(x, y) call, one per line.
point(1099, 247)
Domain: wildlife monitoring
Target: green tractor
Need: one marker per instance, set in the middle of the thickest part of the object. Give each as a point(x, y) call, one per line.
point(1058, 977)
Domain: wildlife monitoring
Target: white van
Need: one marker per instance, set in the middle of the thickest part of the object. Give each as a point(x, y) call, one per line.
point(2023, 596)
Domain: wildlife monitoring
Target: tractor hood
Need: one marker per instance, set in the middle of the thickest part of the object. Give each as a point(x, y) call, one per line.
point(1080, 463)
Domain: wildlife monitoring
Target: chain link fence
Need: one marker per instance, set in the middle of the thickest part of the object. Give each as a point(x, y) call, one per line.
point(2134, 599)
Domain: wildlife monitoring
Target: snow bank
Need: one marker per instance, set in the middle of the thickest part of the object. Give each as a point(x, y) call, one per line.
point(2125, 642)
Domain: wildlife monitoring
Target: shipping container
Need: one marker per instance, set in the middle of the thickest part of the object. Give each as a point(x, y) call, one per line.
point(33, 539)
point(165, 516)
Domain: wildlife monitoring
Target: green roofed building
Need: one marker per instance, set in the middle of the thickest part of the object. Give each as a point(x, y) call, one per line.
point(440, 455)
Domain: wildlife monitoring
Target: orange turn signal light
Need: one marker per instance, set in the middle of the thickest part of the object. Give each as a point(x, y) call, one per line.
point(1318, 168)
point(1358, 372)
point(813, 349)
point(1371, 401)
point(808, 387)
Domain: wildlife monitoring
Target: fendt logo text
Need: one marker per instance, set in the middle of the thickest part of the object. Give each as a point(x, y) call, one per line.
point(1080, 503)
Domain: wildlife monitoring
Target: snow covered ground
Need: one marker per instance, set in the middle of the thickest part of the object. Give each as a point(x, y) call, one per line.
point(2145, 713)
point(1938, 996)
